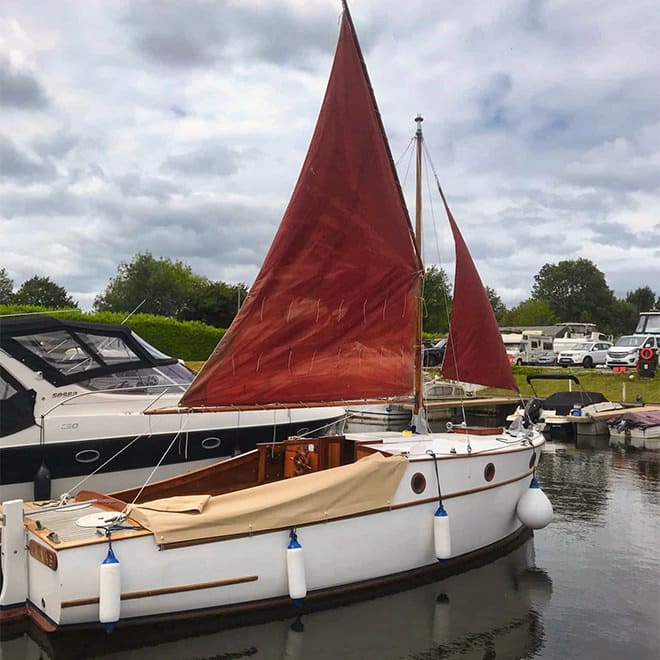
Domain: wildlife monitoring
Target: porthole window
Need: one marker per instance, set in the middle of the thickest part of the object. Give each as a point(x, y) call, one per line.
point(532, 460)
point(418, 483)
point(489, 472)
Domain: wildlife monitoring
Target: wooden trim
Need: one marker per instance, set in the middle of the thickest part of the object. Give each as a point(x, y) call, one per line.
point(276, 406)
point(149, 593)
point(13, 612)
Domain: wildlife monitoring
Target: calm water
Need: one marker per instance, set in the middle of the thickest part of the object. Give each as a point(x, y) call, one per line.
point(588, 586)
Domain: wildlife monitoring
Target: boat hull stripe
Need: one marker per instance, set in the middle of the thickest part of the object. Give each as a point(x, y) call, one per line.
point(149, 593)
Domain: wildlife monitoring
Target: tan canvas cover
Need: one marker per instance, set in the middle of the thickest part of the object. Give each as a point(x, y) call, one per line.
point(367, 484)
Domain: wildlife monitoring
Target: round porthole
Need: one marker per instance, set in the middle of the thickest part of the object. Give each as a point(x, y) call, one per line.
point(418, 483)
point(88, 455)
point(532, 460)
point(489, 472)
point(211, 443)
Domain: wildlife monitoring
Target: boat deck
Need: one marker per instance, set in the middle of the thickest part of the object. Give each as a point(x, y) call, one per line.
point(60, 528)
point(455, 444)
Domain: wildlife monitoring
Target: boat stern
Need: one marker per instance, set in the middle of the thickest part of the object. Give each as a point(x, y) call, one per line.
point(14, 563)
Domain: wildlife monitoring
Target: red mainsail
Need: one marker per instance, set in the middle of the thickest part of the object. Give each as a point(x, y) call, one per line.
point(475, 351)
point(331, 316)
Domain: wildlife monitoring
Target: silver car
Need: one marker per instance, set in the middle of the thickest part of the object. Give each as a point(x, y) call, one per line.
point(586, 354)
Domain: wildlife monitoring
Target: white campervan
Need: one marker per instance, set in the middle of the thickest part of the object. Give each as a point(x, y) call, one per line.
point(625, 353)
point(525, 347)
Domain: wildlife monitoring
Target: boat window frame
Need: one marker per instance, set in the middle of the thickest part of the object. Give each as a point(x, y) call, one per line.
point(55, 376)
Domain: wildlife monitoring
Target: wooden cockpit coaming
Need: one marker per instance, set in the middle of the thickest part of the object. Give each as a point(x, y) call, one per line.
point(267, 463)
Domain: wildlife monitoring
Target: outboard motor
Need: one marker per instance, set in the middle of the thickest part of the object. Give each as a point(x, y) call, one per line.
point(532, 412)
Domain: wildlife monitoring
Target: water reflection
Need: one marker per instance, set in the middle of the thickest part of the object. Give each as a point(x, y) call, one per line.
point(577, 483)
point(490, 612)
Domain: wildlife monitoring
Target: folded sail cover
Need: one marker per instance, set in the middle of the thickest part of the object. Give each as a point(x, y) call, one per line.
point(331, 315)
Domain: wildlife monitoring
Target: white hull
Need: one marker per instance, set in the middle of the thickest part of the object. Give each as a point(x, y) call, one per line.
point(250, 569)
point(442, 613)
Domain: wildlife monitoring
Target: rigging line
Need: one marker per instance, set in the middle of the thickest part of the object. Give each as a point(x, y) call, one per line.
point(325, 426)
point(112, 458)
point(433, 219)
point(405, 151)
point(410, 159)
point(151, 474)
point(450, 337)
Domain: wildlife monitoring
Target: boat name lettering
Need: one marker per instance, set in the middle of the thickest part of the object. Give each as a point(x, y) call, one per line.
point(42, 554)
point(60, 395)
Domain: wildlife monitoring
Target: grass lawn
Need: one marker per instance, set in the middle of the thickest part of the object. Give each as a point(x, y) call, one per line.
point(627, 387)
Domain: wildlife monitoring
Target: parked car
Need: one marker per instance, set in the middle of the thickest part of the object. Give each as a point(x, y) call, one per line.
point(433, 356)
point(545, 359)
point(625, 353)
point(587, 354)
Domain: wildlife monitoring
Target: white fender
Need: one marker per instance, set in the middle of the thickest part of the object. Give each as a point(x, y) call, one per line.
point(441, 536)
point(295, 566)
point(109, 590)
point(534, 509)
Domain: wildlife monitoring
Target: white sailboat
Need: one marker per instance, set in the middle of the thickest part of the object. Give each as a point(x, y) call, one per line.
point(336, 310)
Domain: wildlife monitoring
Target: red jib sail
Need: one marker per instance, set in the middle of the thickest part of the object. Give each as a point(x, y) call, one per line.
point(475, 352)
point(331, 316)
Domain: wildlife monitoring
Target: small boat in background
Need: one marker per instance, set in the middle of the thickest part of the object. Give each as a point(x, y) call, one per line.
point(568, 412)
point(639, 428)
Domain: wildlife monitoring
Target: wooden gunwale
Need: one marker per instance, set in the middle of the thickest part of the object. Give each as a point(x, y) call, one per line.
point(163, 591)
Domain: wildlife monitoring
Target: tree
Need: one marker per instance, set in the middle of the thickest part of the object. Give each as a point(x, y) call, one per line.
point(529, 312)
point(6, 288)
point(575, 290)
point(499, 308)
point(166, 286)
point(215, 303)
point(43, 292)
point(622, 318)
point(437, 300)
point(643, 299)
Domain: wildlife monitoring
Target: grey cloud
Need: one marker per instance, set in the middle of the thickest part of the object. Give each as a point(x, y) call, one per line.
point(20, 89)
point(56, 144)
point(133, 184)
point(193, 34)
point(210, 159)
point(49, 203)
point(23, 167)
point(608, 233)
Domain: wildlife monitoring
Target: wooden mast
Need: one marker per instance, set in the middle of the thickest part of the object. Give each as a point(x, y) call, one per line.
point(419, 375)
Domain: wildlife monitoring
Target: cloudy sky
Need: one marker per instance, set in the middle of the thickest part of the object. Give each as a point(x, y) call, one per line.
point(179, 128)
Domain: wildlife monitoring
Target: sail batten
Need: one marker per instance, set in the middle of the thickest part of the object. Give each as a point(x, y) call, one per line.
point(332, 314)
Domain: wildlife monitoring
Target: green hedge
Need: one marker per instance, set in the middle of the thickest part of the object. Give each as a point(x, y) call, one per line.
point(188, 340)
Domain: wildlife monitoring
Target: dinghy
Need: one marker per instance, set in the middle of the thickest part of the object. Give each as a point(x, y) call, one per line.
point(336, 311)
